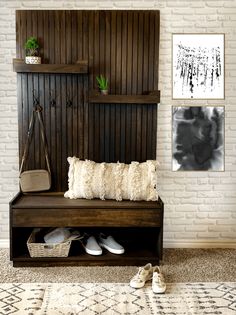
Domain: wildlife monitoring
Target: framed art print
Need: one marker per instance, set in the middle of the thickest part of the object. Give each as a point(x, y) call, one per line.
point(198, 138)
point(198, 66)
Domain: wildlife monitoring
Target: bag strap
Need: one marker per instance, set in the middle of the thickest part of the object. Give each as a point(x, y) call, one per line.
point(37, 111)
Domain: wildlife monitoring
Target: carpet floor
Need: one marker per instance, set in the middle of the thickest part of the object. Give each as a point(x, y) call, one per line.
point(178, 265)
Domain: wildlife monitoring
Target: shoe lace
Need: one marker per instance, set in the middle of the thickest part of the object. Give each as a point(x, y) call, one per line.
point(158, 277)
point(138, 275)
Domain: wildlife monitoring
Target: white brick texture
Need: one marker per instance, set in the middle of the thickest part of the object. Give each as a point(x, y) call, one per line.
point(200, 206)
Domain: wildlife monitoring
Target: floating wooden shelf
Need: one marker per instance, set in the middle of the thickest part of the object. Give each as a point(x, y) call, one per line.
point(126, 99)
point(20, 66)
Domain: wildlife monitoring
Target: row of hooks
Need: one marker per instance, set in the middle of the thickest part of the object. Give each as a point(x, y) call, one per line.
point(52, 100)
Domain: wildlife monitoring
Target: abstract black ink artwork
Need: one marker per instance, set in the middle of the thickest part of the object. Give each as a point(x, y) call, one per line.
point(198, 66)
point(198, 138)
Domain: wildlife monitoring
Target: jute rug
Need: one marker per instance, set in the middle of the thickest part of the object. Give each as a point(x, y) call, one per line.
point(113, 298)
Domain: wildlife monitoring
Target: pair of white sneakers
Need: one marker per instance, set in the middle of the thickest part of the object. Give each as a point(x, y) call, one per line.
point(146, 273)
point(94, 247)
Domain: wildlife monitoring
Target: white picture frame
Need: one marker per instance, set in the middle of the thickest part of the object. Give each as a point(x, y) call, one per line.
point(198, 138)
point(198, 66)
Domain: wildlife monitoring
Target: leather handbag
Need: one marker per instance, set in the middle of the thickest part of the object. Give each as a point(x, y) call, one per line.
point(39, 179)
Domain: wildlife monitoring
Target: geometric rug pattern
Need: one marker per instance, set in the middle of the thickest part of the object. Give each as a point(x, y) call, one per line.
point(116, 298)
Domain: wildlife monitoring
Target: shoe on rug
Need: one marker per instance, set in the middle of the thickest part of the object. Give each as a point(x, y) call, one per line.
point(110, 244)
point(91, 246)
point(158, 282)
point(144, 274)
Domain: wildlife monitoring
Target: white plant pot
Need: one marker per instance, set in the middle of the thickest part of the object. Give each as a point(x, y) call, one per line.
point(33, 60)
point(104, 92)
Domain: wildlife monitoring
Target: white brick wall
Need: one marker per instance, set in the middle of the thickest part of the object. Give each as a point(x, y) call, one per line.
point(200, 206)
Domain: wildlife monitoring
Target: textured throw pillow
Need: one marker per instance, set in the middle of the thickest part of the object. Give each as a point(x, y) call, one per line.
point(135, 181)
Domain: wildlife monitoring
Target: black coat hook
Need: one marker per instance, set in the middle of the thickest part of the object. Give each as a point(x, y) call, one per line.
point(52, 100)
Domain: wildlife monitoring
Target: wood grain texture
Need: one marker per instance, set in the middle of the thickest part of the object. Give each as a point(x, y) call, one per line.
point(79, 67)
point(124, 46)
point(137, 226)
point(124, 99)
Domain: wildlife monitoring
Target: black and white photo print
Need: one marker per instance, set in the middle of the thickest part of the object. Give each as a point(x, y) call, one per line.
point(198, 66)
point(198, 138)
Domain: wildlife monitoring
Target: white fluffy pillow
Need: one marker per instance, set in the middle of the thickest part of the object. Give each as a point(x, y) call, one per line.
point(135, 181)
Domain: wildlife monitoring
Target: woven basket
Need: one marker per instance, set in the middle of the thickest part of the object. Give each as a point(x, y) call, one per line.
point(47, 250)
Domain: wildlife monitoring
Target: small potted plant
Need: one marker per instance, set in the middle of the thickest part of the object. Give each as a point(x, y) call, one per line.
point(32, 51)
point(102, 84)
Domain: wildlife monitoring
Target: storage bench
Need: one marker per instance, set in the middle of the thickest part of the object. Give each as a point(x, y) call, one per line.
point(137, 225)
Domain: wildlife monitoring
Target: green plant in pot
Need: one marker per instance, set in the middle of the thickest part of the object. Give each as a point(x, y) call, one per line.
point(32, 51)
point(102, 84)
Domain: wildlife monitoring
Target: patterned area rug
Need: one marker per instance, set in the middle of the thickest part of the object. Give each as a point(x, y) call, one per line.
point(116, 298)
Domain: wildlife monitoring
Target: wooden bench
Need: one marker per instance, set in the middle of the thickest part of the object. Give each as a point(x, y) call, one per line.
point(137, 225)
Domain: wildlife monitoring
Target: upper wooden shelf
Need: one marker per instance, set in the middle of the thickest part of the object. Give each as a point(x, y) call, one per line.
point(126, 99)
point(80, 67)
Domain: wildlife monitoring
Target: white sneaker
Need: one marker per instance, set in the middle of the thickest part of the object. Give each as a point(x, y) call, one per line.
point(144, 274)
point(110, 244)
point(91, 246)
point(158, 282)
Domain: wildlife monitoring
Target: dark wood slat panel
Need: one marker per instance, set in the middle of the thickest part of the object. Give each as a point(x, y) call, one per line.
point(65, 109)
point(140, 49)
point(89, 17)
point(144, 134)
point(20, 106)
point(80, 117)
point(86, 82)
point(154, 132)
point(118, 52)
point(124, 54)
point(146, 35)
point(129, 68)
point(135, 54)
point(151, 49)
point(51, 31)
point(112, 56)
point(156, 60)
point(18, 36)
point(123, 45)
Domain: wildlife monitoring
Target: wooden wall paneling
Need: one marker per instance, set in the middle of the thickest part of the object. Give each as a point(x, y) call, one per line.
point(133, 132)
point(96, 70)
point(42, 101)
point(89, 17)
point(156, 42)
point(140, 53)
point(122, 45)
point(146, 35)
point(134, 62)
point(151, 50)
point(51, 43)
point(144, 133)
point(80, 117)
point(53, 105)
point(20, 107)
point(114, 61)
point(154, 132)
point(86, 81)
point(41, 87)
point(107, 72)
point(135, 53)
point(129, 53)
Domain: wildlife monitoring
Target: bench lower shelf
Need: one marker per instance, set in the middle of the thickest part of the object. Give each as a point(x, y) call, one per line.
point(138, 226)
point(135, 258)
